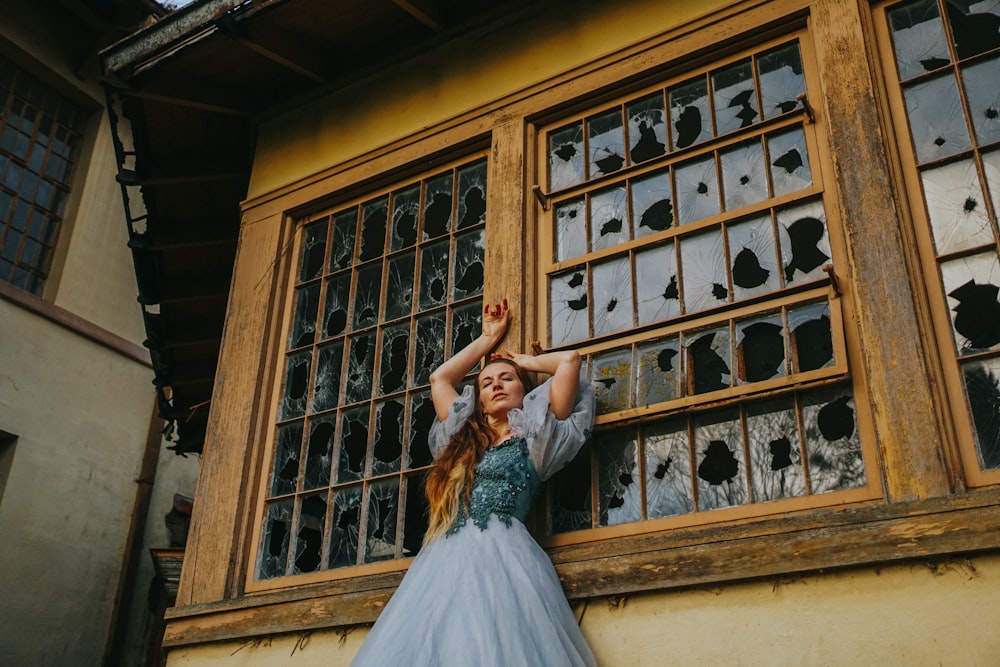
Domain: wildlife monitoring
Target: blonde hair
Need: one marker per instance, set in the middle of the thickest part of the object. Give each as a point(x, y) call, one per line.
point(449, 483)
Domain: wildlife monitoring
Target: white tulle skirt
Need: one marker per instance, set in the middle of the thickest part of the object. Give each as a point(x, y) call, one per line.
point(478, 598)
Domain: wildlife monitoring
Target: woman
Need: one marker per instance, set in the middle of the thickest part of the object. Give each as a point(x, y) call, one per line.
point(481, 591)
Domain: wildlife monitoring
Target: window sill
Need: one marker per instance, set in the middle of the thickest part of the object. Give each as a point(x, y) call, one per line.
point(809, 541)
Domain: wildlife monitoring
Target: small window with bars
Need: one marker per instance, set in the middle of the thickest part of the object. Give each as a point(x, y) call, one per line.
point(40, 135)
point(688, 256)
point(384, 289)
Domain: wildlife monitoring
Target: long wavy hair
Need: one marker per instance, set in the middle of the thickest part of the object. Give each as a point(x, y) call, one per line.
point(449, 482)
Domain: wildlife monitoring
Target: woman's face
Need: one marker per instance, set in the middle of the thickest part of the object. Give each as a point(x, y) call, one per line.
point(500, 389)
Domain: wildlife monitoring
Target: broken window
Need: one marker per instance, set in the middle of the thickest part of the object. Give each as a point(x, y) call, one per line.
point(383, 290)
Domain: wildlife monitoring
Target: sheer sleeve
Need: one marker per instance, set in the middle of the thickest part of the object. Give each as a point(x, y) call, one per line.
point(552, 443)
point(460, 411)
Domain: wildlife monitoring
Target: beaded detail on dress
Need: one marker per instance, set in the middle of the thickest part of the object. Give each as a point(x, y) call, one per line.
point(505, 485)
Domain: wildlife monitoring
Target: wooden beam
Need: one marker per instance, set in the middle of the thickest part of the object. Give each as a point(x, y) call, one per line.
point(429, 16)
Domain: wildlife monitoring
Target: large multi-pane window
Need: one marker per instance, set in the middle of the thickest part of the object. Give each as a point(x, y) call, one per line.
point(687, 252)
point(384, 289)
point(40, 135)
point(947, 69)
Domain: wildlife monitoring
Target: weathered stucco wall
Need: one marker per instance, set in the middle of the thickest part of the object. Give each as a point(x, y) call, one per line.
point(917, 615)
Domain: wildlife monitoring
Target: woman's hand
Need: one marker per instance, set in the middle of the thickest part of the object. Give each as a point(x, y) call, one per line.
point(495, 320)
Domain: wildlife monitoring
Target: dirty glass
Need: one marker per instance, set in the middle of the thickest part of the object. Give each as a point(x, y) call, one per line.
point(937, 123)
point(781, 80)
point(607, 143)
point(469, 274)
point(971, 284)
point(805, 246)
point(918, 36)
point(956, 206)
point(319, 453)
point(472, 195)
point(380, 533)
point(405, 215)
point(708, 361)
point(609, 222)
point(274, 546)
point(569, 496)
point(304, 322)
point(647, 128)
point(744, 175)
point(753, 256)
point(313, 251)
point(353, 446)
point(345, 526)
point(566, 157)
point(309, 535)
point(789, 165)
point(776, 469)
point(285, 471)
point(657, 293)
point(326, 389)
point(760, 346)
point(399, 286)
point(612, 303)
point(366, 296)
point(611, 374)
point(982, 383)
point(833, 447)
point(373, 227)
point(697, 190)
point(703, 270)
point(387, 449)
point(984, 99)
point(658, 371)
point(718, 444)
point(669, 488)
point(690, 116)
point(433, 275)
point(568, 304)
point(735, 97)
point(437, 206)
point(336, 303)
point(652, 204)
point(571, 230)
point(812, 337)
point(618, 475)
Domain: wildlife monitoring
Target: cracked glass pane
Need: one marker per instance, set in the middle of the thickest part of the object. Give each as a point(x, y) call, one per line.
point(414, 516)
point(395, 356)
point(293, 402)
point(647, 128)
point(466, 325)
point(344, 229)
point(285, 471)
point(338, 290)
point(437, 206)
point(697, 190)
point(703, 271)
point(360, 367)
point(619, 492)
point(608, 218)
point(668, 469)
point(366, 296)
point(611, 374)
point(971, 284)
point(975, 26)
point(568, 303)
point(345, 526)
point(571, 230)
point(399, 290)
point(657, 295)
point(689, 113)
point(652, 204)
point(313, 251)
point(760, 348)
point(744, 175)
point(937, 123)
point(469, 251)
point(753, 254)
point(422, 416)
point(405, 212)
point(775, 450)
point(956, 207)
point(721, 468)
point(383, 506)
point(918, 38)
point(805, 246)
point(982, 384)
point(434, 275)
point(274, 545)
point(984, 98)
point(606, 142)
point(353, 444)
point(659, 373)
point(472, 195)
point(991, 167)
point(812, 340)
point(326, 392)
point(566, 157)
point(735, 97)
point(309, 535)
point(319, 453)
point(387, 451)
point(789, 157)
point(612, 303)
point(374, 217)
point(569, 496)
point(708, 361)
point(781, 80)
point(833, 445)
point(304, 322)
point(429, 353)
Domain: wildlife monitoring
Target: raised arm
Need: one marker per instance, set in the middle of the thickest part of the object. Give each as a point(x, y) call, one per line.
point(563, 366)
point(447, 376)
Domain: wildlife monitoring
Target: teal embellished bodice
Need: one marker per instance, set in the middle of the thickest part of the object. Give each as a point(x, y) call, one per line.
point(506, 484)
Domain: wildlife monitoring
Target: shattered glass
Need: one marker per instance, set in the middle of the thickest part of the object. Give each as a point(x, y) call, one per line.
point(345, 526)
point(760, 346)
point(789, 161)
point(984, 98)
point(775, 450)
point(606, 142)
point(708, 361)
point(781, 80)
point(975, 26)
point(619, 492)
point(833, 445)
point(326, 391)
point(744, 175)
point(319, 453)
point(735, 97)
point(414, 516)
point(703, 271)
point(982, 384)
point(434, 275)
point(753, 256)
point(991, 167)
point(313, 251)
point(360, 367)
point(399, 288)
point(437, 206)
point(956, 206)
point(658, 373)
point(387, 450)
point(366, 296)
point(274, 545)
point(309, 535)
point(429, 352)
point(304, 323)
point(609, 224)
point(344, 228)
point(395, 356)
point(652, 204)
point(812, 338)
point(657, 294)
point(612, 302)
point(568, 303)
point(937, 122)
point(469, 273)
point(569, 496)
point(422, 416)
point(611, 373)
point(374, 218)
point(719, 452)
point(668, 469)
point(566, 157)
point(293, 401)
point(918, 37)
point(338, 291)
point(353, 444)
point(466, 323)
point(697, 190)
point(805, 246)
point(972, 284)
point(380, 533)
point(472, 195)
point(285, 471)
point(571, 230)
point(690, 115)
point(405, 213)
point(647, 128)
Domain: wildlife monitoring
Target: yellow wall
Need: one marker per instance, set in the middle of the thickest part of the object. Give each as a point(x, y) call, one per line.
point(912, 615)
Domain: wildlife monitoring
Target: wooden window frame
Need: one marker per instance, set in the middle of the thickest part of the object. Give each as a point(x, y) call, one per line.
point(924, 511)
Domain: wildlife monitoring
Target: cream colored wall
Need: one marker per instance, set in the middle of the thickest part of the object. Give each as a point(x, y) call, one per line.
point(910, 615)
